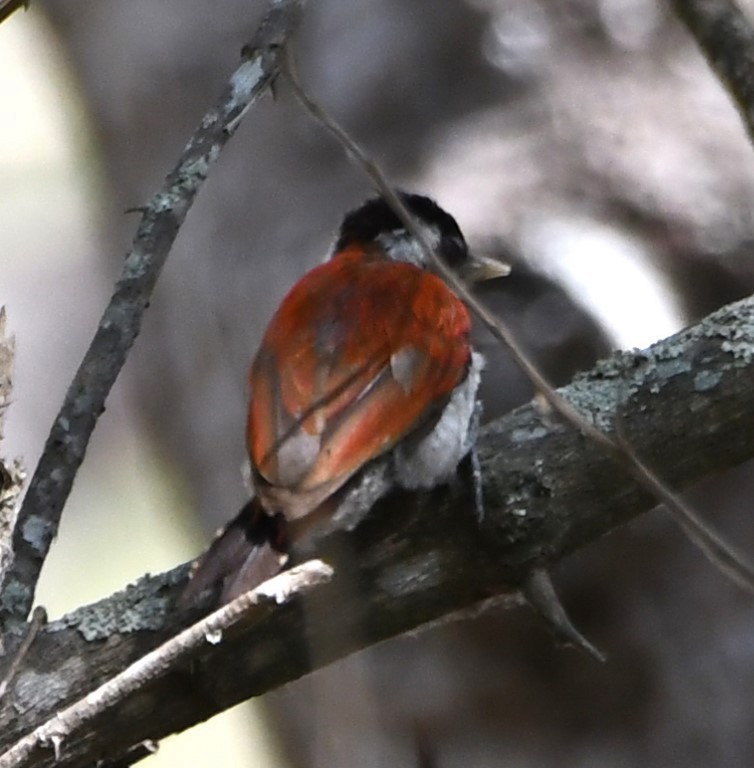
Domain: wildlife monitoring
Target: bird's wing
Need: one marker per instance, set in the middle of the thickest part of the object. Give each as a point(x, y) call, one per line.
point(359, 354)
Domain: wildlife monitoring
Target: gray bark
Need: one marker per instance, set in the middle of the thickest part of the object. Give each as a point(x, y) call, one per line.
point(422, 558)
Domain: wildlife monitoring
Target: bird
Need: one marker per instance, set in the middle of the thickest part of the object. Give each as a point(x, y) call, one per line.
point(365, 380)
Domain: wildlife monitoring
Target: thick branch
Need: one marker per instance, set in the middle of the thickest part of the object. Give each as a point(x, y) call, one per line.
point(249, 607)
point(726, 38)
point(420, 558)
point(161, 220)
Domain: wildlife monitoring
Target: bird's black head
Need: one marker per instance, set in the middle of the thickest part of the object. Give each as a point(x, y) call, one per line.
point(375, 221)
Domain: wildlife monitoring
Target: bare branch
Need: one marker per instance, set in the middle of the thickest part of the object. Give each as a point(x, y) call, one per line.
point(421, 557)
point(726, 38)
point(161, 220)
point(251, 606)
point(12, 473)
point(7, 7)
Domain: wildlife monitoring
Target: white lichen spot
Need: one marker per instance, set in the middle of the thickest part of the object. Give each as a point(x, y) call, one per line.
point(519, 512)
point(245, 79)
point(36, 533)
point(194, 172)
point(209, 120)
point(213, 636)
point(741, 350)
point(213, 154)
point(135, 266)
point(524, 434)
point(57, 475)
point(706, 380)
point(162, 202)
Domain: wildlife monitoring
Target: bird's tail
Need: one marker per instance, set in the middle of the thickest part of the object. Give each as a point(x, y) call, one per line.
point(249, 550)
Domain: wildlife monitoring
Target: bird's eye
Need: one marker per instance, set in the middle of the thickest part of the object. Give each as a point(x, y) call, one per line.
point(454, 251)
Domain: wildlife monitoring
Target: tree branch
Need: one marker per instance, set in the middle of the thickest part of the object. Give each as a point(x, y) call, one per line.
point(11, 472)
point(726, 38)
point(7, 7)
point(252, 606)
point(421, 557)
point(40, 514)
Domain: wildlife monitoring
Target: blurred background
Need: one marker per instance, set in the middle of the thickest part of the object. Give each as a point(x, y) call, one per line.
point(585, 141)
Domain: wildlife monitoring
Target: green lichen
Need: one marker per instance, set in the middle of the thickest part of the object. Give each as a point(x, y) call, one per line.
point(704, 381)
point(598, 394)
point(142, 606)
point(32, 689)
point(742, 351)
point(14, 597)
point(37, 533)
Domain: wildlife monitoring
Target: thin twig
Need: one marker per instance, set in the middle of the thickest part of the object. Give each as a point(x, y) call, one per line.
point(7, 7)
point(278, 590)
point(162, 218)
point(719, 552)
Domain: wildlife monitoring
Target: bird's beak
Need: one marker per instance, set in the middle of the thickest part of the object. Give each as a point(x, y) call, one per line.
point(480, 268)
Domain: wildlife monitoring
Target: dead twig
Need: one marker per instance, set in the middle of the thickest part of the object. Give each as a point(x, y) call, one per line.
point(278, 590)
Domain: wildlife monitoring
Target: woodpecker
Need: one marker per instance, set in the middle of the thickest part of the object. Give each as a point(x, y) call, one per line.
point(365, 379)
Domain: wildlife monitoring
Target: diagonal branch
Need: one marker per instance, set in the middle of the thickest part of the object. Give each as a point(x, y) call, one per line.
point(250, 607)
point(11, 472)
point(420, 557)
point(726, 38)
point(7, 7)
point(161, 220)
